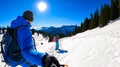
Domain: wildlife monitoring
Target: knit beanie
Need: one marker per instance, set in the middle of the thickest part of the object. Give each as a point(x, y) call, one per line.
point(28, 15)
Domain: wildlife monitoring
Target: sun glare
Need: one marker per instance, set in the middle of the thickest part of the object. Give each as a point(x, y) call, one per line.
point(42, 6)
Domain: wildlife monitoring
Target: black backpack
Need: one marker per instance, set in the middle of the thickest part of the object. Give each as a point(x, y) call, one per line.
point(10, 48)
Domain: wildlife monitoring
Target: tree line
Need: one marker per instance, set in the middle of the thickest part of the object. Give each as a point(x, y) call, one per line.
point(99, 18)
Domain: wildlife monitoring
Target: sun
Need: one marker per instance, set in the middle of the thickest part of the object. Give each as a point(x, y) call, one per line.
point(42, 6)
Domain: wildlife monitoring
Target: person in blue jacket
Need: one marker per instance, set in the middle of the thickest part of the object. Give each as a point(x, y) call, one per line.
point(24, 38)
point(57, 42)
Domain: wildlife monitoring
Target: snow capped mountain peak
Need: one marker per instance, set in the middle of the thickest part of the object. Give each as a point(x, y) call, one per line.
point(61, 30)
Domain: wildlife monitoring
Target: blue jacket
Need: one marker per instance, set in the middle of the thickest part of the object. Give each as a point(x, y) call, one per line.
point(23, 33)
point(25, 41)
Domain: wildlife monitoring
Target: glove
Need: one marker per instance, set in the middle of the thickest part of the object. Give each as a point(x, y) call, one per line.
point(50, 61)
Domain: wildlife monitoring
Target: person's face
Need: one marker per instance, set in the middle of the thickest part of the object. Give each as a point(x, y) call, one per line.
point(30, 22)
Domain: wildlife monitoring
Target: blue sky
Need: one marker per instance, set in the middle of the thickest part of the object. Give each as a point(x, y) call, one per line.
point(58, 13)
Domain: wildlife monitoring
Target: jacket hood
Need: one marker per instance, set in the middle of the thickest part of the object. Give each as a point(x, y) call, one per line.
point(19, 21)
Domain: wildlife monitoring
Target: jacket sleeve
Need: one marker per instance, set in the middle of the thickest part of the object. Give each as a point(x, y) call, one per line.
point(24, 38)
point(26, 43)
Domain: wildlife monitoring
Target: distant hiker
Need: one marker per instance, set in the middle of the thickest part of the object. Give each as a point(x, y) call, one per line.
point(55, 39)
point(25, 42)
point(57, 47)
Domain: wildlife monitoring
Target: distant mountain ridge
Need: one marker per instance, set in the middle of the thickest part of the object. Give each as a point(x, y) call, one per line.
point(58, 30)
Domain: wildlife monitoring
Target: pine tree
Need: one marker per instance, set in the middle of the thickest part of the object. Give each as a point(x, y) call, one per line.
point(86, 24)
point(0, 30)
point(81, 26)
point(95, 19)
point(91, 21)
point(50, 37)
point(77, 30)
point(3, 30)
point(107, 13)
point(119, 7)
point(114, 10)
point(104, 15)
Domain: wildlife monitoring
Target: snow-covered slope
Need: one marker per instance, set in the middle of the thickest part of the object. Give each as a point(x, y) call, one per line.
point(94, 48)
point(99, 47)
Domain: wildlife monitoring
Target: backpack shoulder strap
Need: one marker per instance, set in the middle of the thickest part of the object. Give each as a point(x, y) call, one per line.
point(34, 43)
point(19, 27)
